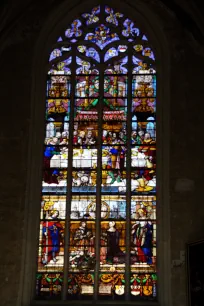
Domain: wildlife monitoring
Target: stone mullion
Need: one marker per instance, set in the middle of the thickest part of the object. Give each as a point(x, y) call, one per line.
point(99, 166)
point(69, 177)
point(99, 180)
point(128, 175)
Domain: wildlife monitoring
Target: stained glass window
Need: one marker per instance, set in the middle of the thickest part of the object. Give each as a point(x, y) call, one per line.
point(97, 237)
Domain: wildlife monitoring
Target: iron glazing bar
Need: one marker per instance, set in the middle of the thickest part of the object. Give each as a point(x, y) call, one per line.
point(128, 177)
point(69, 177)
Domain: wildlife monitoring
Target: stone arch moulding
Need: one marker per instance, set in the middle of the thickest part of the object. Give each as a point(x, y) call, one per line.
point(56, 22)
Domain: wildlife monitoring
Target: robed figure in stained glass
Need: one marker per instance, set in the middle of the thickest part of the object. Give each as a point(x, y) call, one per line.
point(83, 238)
point(82, 244)
point(142, 234)
point(112, 252)
point(53, 234)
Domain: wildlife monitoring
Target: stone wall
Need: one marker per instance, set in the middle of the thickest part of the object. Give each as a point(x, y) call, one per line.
point(15, 80)
point(186, 164)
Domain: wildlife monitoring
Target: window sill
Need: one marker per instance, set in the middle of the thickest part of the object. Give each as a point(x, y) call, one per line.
point(93, 303)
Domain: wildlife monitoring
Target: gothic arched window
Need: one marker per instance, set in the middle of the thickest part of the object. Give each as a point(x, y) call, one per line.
point(97, 236)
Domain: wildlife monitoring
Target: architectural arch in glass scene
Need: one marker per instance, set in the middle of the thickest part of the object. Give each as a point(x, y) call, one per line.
point(97, 237)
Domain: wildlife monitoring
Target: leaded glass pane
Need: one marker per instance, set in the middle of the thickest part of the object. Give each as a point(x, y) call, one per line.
point(97, 237)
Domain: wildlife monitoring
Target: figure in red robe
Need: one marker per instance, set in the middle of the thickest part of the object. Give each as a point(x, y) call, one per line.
point(52, 238)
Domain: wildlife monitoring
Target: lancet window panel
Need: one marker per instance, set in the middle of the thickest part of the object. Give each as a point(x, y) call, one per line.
point(97, 236)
